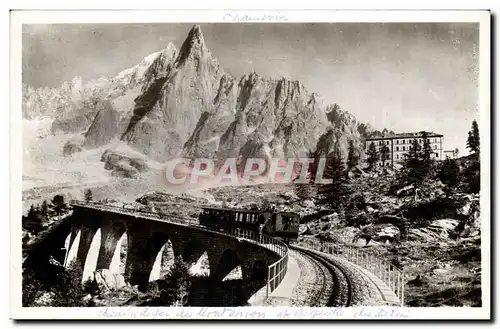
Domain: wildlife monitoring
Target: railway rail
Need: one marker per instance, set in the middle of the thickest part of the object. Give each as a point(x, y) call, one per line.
point(323, 296)
point(341, 293)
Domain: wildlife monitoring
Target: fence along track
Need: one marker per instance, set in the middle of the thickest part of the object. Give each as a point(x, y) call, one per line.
point(388, 273)
point(275, 272)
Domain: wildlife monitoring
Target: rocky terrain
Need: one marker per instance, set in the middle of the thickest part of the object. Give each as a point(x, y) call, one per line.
point(440, 254)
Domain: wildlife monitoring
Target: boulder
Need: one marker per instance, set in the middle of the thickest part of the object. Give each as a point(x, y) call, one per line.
point(308, 204)
point(72, 146)
point(330, 217)
point(438, 230)
point(304, 229)
point(123, 169)
point(418, 280)
point(123, 165)
point(87, 298)
point(359, 242)
point(470, 207)
point(386, 232)
point(444, 224)
point(406, 191)
point(439, 271)
point(107, 281)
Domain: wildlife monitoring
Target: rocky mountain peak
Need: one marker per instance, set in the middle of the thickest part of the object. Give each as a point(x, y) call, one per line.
point(169, 50)
point(194, 46)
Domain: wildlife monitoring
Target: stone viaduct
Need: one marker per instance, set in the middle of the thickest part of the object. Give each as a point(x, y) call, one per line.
point(145, 237)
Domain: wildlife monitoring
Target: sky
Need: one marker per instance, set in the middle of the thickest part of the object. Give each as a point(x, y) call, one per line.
point(401, 76)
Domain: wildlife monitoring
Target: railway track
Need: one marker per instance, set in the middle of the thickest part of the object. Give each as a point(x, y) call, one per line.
point(341, 294)
point(325, 282)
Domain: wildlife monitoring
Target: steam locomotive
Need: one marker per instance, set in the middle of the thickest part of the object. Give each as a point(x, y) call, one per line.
point(281, 225)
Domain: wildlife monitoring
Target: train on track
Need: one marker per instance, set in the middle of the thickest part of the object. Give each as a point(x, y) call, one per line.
point(280, 225)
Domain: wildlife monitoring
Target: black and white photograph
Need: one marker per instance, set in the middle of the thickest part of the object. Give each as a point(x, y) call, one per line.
point(253, 166)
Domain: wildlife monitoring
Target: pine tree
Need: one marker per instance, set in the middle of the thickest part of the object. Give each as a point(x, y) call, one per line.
point(472, 171)
point(44, 210)
point(58, 204)
point(330, 194)
point(32, 212)
point(449, 174)
point(413, 165)
point(33, 220)
point(88, 195)
point(384, 152)
point(352, 158)
point(413, 154)
point(72, 289)
point(473, 139)
point(372, 155)
point(339, 163)
point(303, 191)
point(32, 287)
point(175, 284)
point(426, 150)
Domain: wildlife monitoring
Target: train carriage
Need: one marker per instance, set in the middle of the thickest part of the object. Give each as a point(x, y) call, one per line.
point(283, 225)
point(226, 219)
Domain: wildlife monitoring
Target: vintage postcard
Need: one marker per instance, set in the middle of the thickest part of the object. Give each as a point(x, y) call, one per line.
point(250, 165)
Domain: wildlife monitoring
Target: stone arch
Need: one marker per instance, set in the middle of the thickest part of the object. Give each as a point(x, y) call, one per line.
point(111, 233)
point(119, 259)
point(228, 261)
point(143, 249)
point(71, 245)
point(203, 266)
point(163, 262)
point(193, 251)
point(235, 274)
point(92, 257)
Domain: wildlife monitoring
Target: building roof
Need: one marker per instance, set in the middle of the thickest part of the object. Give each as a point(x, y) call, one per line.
point(251, 211)
point(405, 135)
point(231, 209)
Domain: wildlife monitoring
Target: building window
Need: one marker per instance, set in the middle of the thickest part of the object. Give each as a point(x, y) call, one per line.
point(403, 148)
point(397, 148)
point(397, 156)
point(435, 147)
point(437, 154)
point(387, 142)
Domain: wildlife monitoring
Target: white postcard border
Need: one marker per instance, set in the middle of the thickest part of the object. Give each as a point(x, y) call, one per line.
point(236, 16)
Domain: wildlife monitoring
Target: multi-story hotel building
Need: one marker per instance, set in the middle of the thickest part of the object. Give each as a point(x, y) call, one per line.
point(399, 145)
